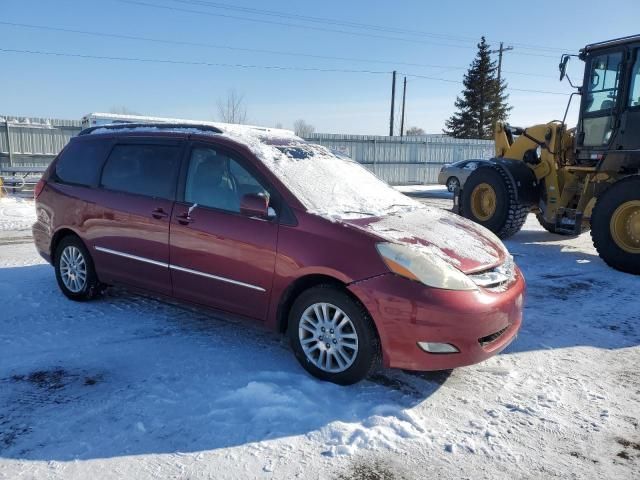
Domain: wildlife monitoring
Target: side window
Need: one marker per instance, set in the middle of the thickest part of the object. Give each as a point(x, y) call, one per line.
point(142, 169)
point(81, 161)
point(471, 166)
point(246, 182)
point(602, 83)
point(218, 181)
point(634, 86)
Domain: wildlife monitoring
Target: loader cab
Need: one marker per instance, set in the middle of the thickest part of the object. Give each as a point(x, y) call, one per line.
point(610, 107)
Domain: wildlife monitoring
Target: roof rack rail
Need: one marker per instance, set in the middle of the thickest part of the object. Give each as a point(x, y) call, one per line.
point(159, 126)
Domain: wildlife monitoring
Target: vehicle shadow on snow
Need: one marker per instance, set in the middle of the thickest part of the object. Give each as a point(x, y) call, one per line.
point(130, 374)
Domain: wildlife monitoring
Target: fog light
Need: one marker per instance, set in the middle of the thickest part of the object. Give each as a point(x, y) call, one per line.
point(433, 347)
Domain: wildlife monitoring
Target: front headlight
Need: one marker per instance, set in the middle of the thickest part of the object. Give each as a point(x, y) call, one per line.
point(430, 270)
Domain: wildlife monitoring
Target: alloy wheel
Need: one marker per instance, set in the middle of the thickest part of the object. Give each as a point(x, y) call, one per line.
point(328, 337)
point(73, 269)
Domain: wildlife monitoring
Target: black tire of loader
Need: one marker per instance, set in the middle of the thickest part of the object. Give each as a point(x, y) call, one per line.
point(509, 215)
point(620, 192)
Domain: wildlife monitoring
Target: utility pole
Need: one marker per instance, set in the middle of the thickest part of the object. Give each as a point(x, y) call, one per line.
point(500, 52)
point(393, 103)
point(404, 97)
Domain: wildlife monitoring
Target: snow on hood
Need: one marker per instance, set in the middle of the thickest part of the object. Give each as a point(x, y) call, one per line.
point(460, 242)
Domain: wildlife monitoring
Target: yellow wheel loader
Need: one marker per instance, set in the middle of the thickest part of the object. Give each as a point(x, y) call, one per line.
point(573, 179)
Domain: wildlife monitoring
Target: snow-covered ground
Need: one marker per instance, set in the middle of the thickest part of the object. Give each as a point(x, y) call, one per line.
point(134, 387)
point(16, 214)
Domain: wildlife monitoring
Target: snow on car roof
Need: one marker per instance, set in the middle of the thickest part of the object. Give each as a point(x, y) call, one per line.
point(123, 119)
point(122, 128)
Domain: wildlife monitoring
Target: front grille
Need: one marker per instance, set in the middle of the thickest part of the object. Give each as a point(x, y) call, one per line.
point(497, 278)
point(484, 341)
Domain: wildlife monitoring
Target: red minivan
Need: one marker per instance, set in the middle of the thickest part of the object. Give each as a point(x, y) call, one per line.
point(259, 223)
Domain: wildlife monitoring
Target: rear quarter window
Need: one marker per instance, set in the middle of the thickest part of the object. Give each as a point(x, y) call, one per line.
point(80, 163)
point(150, 170)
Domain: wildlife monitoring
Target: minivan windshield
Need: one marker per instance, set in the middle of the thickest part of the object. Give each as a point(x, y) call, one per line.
point(331, 184)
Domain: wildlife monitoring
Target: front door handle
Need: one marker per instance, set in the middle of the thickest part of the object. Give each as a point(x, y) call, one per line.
point(184, 219)
point(159, 213)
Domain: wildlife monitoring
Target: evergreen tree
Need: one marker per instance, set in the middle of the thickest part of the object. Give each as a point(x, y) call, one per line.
point(483, 101)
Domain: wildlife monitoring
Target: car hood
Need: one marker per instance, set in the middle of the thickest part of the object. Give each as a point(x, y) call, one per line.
point(460, 242)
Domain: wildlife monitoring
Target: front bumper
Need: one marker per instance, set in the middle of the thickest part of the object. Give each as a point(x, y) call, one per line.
point(478, 323)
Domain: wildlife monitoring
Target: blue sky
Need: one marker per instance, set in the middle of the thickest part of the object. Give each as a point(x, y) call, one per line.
point(338, 102)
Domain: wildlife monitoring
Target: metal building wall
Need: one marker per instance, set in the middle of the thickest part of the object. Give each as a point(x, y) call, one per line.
point(405, 160)
point(33, 142)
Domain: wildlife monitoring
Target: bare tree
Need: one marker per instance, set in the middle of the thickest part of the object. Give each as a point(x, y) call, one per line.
point(414, 131)
point(302, 128)
point(232, 109)
point(122, 110)
point(278, 125)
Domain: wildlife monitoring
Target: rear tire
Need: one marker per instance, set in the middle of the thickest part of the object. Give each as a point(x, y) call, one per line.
point(342, 348)
point(615, 225)
point(75, 272)
point(502, 214)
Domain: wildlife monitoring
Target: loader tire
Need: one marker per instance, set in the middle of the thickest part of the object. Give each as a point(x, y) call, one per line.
point(615, 225)
point(490, 199)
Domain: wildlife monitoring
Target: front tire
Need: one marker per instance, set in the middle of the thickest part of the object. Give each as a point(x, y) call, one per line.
point(489, 198)
point(75, 273)
point(333, 336)
point(615, 225)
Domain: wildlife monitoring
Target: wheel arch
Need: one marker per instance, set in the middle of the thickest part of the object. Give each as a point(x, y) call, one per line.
point(304, 283)
point(452, 177)
point(57, 238)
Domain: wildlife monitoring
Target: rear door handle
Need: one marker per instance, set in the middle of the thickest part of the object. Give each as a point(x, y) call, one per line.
point(159, 213)
point(184, 219)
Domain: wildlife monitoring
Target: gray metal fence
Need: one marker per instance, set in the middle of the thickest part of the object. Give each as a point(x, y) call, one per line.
point(405, 160)
point(34, 142)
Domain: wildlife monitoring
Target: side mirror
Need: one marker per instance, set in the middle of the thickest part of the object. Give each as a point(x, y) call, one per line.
point(563, 66)
point(254, 205)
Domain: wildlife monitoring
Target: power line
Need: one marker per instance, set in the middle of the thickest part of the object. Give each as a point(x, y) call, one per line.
point(238, 65)
point(309, 27)
point(187, 62)
point(243, 49)
point(333, 21)
point(425, 77)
